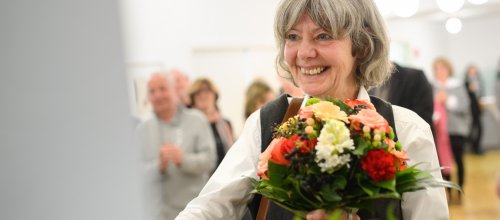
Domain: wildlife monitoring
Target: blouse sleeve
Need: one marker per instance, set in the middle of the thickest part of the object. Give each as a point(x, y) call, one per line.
point(416, 137)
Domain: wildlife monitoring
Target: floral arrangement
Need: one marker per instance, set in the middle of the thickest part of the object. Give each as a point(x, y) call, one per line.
point(336, 155)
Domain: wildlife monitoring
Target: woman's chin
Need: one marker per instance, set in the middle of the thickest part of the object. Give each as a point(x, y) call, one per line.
point(314, 92)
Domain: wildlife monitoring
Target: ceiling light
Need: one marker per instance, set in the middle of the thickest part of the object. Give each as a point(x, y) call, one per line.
point(450, 5)
point(405, 8)
point(478, 2)
point(385, 7)
point(453, 25)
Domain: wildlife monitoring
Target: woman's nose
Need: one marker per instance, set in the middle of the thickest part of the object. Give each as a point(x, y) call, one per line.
point(306, 50)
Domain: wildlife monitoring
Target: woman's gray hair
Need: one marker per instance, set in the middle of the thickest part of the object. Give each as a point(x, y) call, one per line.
point(357, 19)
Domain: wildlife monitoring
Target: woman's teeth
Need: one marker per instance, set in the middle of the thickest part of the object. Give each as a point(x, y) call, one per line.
point(313, 71)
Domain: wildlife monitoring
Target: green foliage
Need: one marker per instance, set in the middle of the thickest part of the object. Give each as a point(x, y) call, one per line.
point(312, 101)
point(344, 107)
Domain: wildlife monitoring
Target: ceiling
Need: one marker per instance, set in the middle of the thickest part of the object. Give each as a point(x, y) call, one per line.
point(428, 9)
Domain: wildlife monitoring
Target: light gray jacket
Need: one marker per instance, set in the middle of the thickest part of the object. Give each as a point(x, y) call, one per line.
point(457, 107)
point(168, 193)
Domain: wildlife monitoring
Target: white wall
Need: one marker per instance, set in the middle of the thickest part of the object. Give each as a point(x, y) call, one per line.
point(66, 147)
point(476, 43)
point(229, 40)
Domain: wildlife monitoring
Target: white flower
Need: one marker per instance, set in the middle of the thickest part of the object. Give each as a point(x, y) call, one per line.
point(333, 147)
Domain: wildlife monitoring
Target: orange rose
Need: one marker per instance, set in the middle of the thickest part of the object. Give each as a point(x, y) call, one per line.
point(370, 118)
point(265, 156)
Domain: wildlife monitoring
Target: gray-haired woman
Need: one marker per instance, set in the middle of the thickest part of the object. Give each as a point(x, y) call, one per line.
point(328, 48)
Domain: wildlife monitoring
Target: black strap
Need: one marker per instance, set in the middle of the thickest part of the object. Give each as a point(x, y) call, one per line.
point(272, 113)
point(384, 108)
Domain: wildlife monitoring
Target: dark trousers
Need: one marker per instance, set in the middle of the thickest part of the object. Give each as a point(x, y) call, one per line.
point(475, 135)
point(457, 147)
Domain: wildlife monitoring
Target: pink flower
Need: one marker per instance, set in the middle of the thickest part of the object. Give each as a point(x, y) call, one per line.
point(306, 112)
point(370, 118)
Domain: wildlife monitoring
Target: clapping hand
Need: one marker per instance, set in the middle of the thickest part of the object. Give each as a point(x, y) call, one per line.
point(170, 153)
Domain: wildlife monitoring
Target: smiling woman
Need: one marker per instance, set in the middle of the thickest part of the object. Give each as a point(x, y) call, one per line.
point(329, 48)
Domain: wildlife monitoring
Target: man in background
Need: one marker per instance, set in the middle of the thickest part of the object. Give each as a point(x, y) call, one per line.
point(178, 151)
point(408, 88)
point(181, 85)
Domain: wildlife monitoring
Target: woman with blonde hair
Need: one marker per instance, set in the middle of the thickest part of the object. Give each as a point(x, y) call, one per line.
point(204, 96)
point(257, 94)
point(452, 94)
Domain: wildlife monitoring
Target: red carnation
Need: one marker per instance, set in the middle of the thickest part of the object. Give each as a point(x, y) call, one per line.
point(379, 164)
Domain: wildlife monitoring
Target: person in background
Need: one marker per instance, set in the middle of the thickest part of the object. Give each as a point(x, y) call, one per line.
point(178, 151)
point(409, 88)
point(204, 96)
point(181, 85)
point(443, 143)
point(473, 83)
point(330, 48)
point(497, 87)
point(257, 94)
point(452, 94)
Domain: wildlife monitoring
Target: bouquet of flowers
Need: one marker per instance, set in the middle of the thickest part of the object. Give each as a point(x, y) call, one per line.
point(336, 155)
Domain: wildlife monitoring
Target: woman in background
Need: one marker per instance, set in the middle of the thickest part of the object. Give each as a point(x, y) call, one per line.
point(257, 94)
point(474, 87)
point(452, 94)
point(204, 96)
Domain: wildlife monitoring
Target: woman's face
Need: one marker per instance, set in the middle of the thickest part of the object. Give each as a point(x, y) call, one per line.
point(472, 71)
point(320, 65)
point(204, 98)
point(441, 72)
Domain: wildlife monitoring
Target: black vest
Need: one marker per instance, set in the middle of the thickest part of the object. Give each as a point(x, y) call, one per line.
point(272, 114)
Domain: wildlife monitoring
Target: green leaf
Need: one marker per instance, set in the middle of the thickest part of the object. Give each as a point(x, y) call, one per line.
point(368, 188)
point(277, 173)
point(362, 146)
point(387, 184)
point(329, 194)
point(312, 101)
point(390, 212)
point(297, 191)
point(339, 183)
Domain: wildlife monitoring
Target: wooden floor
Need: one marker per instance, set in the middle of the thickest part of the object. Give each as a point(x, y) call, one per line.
point(479, 200)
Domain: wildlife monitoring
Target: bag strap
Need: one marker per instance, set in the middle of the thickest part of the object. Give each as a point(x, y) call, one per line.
point(292, 110)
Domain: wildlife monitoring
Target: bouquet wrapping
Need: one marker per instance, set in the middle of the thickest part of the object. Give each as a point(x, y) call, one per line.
point(337, 154)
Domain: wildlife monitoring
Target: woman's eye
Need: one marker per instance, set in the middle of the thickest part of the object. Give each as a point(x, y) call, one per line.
point(292, 37)
point(324, 37)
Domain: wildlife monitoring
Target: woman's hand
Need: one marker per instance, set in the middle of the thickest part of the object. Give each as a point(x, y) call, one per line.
point(441, 96)
point(320, 214)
